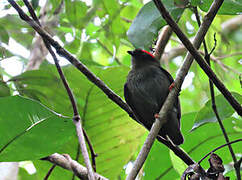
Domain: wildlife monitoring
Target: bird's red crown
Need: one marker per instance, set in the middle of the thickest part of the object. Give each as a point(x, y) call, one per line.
point(147, 52)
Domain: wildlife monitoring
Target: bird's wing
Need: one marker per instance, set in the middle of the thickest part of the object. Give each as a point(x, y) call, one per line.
point(167, 74)
point(128, 99)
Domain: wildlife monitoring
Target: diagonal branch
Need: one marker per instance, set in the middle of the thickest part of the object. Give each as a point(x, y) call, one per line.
point(163, 39)
point(66, 162)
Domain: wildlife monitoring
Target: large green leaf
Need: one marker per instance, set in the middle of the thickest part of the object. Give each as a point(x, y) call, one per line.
point(159, 163)
point(77, 13)
point(148, 22)
point(29, 130)
point(4, 37)
point(4, 89)
point(206, 114)
point(232, 7)
point(177, 163)
point(113, 134)
point(111, 7)
point(15, 29)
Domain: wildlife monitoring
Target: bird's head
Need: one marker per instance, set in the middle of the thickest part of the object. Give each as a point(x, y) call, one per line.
point(141, 58)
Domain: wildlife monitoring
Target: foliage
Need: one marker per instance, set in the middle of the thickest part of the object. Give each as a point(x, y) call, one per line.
point(99, 34)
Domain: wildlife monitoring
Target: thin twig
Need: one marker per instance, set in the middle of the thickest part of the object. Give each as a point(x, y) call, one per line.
point(66, 162)
point(163, 39)
point(49, 172)
point(78, 151)
point(93, 154)
point(214, 107)
point(217, 148)
point(229, 55)
point(180, 50)
point(76, 116)
point(221, 64)
point(108, 51)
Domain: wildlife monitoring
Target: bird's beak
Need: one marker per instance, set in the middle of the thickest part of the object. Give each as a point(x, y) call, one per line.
point(131, 52)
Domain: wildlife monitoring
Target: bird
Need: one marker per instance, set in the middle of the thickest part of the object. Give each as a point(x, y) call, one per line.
point(145, 91)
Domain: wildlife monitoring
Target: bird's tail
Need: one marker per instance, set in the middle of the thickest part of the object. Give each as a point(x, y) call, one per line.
point(176, 137)
point(172, 129)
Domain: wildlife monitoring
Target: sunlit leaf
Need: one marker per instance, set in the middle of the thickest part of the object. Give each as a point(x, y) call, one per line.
point(29, 130)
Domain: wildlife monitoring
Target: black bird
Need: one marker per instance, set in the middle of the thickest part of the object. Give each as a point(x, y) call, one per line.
point(145, 92)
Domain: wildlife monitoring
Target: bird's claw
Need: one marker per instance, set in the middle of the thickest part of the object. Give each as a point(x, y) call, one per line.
point(171, 86)
point(156, 115)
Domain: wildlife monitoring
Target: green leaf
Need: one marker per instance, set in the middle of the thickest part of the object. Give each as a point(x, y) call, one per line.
point(14, 28)
point(111, 7)
point(195, 2)
point(181, 3)
point(114, 136)
point(29, 130)
point(161, 165)
point(229, 7)
point(158, 164)
point(4, 37)
point(207, 137)
point(35, 3)
point(55, 4)
point(148, 22)
point(4, 89)
point(76, 12)
point(177, 163)
point(206, 114)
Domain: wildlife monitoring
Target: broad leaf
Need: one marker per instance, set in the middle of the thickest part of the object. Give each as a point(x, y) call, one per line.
point(4, 89)
point(206, 114)
point(229, 7)
point(177, 163)
point(4, 37)
point(148, 22)
point(29, 130)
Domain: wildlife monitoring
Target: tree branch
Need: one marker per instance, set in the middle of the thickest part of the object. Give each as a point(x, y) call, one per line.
point(163, 39)
point(66, 162)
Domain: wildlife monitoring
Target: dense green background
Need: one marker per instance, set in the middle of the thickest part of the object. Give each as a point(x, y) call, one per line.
point(32, 124)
